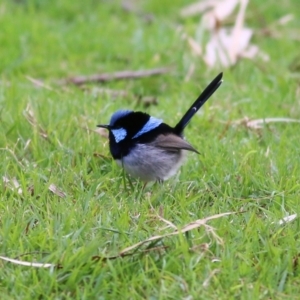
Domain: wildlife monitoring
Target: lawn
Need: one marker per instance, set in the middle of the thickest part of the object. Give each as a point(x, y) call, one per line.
point(65, 202)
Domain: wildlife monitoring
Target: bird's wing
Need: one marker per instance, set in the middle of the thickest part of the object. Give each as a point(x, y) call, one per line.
point(172, 142)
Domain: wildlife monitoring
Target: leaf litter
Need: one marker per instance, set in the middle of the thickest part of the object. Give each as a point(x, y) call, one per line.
point(226, 44)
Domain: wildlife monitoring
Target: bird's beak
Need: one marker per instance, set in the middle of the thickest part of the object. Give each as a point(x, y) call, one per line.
point(104, 126)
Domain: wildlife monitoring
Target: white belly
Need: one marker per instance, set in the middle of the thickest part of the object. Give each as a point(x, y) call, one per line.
point(151, 163)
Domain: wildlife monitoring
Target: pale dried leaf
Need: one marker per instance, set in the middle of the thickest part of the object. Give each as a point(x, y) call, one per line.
point(225, 48)
point(55, 190)
point(240, 43)
point(210, 22)
point(285, 19)
point(17, 185)
point(287, 219)
point(12, 184)
point(226, 45)
point(219, 11)
point(223, 9)
point(27, 263)
point(39, 83)
point(240, 36)
point(197, 8)
point(217, 49)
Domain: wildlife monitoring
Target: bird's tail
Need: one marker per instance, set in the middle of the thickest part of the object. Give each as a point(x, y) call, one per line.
point(210, 89)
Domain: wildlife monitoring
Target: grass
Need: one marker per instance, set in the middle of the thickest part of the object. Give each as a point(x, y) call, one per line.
point(239, 170)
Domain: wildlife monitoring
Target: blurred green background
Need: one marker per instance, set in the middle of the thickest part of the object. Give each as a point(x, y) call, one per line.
point(47, 136)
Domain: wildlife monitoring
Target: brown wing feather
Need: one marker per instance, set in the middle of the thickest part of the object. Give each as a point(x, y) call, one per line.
point(172, 142)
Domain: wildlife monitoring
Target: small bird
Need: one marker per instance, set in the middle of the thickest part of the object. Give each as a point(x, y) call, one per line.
point(146, 147)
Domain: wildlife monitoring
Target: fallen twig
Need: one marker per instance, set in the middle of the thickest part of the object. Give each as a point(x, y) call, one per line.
point(186, 228)
point(259, 123)
point(119, 75)
point(27, 263)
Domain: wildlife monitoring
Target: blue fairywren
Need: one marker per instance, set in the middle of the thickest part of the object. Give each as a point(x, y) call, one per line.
point(146, 147)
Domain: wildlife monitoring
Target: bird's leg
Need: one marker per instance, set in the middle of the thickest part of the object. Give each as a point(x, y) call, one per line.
point(145, 184)
point(124, 178)
point(160, 181)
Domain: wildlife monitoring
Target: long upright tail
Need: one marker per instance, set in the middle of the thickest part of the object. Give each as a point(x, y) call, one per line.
point(210, 89)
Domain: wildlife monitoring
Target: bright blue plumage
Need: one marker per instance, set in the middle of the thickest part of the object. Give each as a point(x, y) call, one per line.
point(150, 125)
point(118, 115)
point(119, 134)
